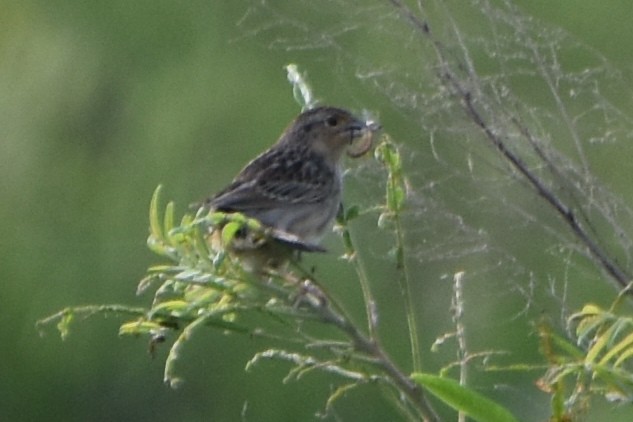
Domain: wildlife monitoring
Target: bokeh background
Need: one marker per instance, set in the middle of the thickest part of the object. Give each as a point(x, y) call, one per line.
point(102, 101)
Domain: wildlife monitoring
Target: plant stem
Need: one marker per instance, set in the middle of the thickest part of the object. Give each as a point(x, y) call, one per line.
point(460, 332)
point(405, 288)
point(372, 348)
point(368, 299)
point(469, 100)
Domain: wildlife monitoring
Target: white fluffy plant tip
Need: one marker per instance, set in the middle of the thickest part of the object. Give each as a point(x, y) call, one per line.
point(300, 87)
point(367, 140)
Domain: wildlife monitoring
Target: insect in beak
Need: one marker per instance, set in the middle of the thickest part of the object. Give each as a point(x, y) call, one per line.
point(362, 137)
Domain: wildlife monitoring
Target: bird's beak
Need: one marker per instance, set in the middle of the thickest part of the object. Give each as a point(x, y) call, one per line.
point(363, 134)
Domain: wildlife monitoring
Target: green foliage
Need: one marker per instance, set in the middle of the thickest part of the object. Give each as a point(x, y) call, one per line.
point(463, 399)
point(203, 284)
point(102, 100)
point(599, 364)
point(388, 155)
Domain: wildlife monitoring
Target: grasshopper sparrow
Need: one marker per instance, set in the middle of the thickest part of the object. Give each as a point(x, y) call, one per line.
point(294, 188)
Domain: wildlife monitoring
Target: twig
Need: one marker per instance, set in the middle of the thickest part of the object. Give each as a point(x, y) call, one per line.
point(621, 277)
point(460, 333)
point(372, 348)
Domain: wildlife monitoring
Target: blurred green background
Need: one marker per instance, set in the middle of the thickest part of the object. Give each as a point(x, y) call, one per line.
point(102, 101)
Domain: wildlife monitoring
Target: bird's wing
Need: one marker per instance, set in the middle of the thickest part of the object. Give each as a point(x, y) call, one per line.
point(276, 178)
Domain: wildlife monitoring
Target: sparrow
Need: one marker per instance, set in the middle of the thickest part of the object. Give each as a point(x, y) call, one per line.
point(294, 188)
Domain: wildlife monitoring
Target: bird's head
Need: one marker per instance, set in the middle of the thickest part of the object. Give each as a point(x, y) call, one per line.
point(329, 131)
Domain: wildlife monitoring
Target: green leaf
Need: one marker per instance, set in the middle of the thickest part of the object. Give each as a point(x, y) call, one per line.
point(624, 356)
point(172, 307)
point(217, 218)
point(254, 225)
point(64, 324)
point(139, 327)
point(398, 197)
point(599, 345)
point(617, 349)
point(218, 259)
point(463, 399)
point(169, 217)
point(352, 212)
point(347, 242)
point(589, 319)
point(567, 347)
point(146, 282)
point(229, 231)
point(394, 162)
point(154, 218)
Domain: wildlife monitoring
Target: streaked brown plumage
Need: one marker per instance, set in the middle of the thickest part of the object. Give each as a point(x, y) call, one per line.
point(295, 187)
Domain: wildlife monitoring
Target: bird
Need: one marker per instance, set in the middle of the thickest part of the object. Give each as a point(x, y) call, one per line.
point(294, 188)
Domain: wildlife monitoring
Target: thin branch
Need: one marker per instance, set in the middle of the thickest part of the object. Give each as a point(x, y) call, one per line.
point(372, 348)
point(448, 77)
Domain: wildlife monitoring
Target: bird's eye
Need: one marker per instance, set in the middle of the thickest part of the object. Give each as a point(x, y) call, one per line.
point(332, 121)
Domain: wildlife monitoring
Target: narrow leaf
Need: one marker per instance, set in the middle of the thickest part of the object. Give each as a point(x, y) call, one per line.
point(615, 350)
point(624, 356)
point(229, 231)
point(598, 346)
point(154, 219)
point(169, 217)
point(351, 213)
point(463, 399)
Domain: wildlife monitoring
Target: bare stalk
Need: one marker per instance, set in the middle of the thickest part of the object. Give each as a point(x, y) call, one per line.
point(459, 88)
point(373, 349)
